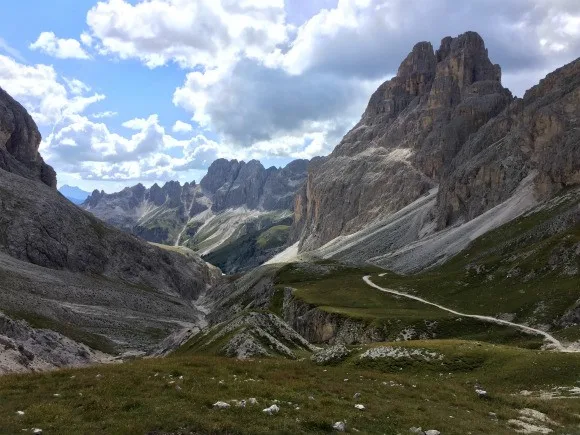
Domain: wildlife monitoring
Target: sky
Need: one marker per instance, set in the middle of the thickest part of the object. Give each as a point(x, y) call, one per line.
point(129, 91)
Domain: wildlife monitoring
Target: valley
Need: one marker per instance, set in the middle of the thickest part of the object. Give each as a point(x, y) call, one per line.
point(423, 277)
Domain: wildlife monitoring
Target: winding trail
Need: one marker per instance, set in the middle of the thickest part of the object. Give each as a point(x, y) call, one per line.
point(555, 343)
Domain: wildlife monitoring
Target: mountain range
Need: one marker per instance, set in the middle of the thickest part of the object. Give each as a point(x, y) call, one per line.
point(237, 217)
point(74, 194)
point(450, 211)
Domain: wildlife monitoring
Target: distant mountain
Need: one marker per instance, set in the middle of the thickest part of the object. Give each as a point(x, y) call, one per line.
point(237, 217)
point(74, 194)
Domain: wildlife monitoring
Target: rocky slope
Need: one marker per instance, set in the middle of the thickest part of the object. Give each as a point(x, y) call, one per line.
point(412, 128)
point(19, 142)
point(24, 349)
point(538, 134)
point(444, 121)
point(225, 214)
point(62, 268)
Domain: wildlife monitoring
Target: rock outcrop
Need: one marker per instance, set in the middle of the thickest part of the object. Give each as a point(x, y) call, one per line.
point(413, 127)
point(19, 142)
point(25, 349)
point(232, 184)
point(538, 134)
point(249, 335)
point(156, 214)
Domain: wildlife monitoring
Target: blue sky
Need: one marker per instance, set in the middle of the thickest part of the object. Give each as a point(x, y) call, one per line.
point(270, 79)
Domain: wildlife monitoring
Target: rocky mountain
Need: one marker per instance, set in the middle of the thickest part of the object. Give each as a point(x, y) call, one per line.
point(238, 216)
point(19, 141)
point(28, 349)
point(440, 145)
point(63, 269)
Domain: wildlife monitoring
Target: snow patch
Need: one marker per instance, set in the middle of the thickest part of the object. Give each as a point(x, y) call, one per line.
point(289, 255)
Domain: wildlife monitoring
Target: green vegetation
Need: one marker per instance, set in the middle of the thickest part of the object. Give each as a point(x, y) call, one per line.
point(143, 396)
point(526, 270)
point(178, 249)
point(274, 237)
point(340, 290)
point(163, 226)
point(520, 268)
point(250, 243)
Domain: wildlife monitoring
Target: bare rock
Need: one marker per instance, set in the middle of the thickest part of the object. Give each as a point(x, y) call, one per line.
point(412, 128)
point(19, 142)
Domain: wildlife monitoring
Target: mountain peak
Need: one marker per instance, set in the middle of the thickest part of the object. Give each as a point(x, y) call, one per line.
point(19, 142)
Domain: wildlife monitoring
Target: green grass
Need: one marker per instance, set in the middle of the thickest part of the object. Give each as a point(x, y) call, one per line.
point(341, 291)
point(519, 269)
point(141, 396)
point(273, 237)
point(517, 275)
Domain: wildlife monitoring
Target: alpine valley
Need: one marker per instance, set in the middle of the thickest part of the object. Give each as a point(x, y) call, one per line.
point(422, 278)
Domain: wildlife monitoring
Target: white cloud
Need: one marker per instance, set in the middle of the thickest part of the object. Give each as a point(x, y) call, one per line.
point(77, 87)
point(181, 127)
point(61, 48)
point(203, 32)
point(7, 48)
point(86, 39)
point(39, 89)
point(102, 115)
point(89, 150)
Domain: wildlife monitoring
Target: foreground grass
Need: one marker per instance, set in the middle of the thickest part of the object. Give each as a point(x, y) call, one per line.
point(177, 393)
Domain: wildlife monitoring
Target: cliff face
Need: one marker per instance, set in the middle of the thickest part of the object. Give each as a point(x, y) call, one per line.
point(231, 184)
point(19, 142)
point(238, 216)
point(414, 125)
point(62, 265)
point(537, 135)
point(157, 214)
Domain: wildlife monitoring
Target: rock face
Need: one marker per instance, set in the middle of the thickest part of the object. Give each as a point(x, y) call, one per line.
point(24, 349)
point(40, 227)
point(444, 121)
point(65, 267)
point(226, 214)
point(232, 184)
point(413, 127)
point(157, 214)
point(538, 134)
point(19, 142)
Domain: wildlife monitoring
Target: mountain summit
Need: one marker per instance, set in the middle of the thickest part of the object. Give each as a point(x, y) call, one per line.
point(443, 122)
point(19, 142)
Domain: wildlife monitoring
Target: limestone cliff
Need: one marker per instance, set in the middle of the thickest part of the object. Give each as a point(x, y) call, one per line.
point(413, 127)
point(538, 134)
point(19, 142)
point(229, 217)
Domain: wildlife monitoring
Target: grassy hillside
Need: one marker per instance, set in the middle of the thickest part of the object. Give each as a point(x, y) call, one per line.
point(526, 271)
point(175, 394)
point(273, 237)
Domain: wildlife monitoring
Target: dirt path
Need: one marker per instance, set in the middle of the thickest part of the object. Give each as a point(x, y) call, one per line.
point(555, 343)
